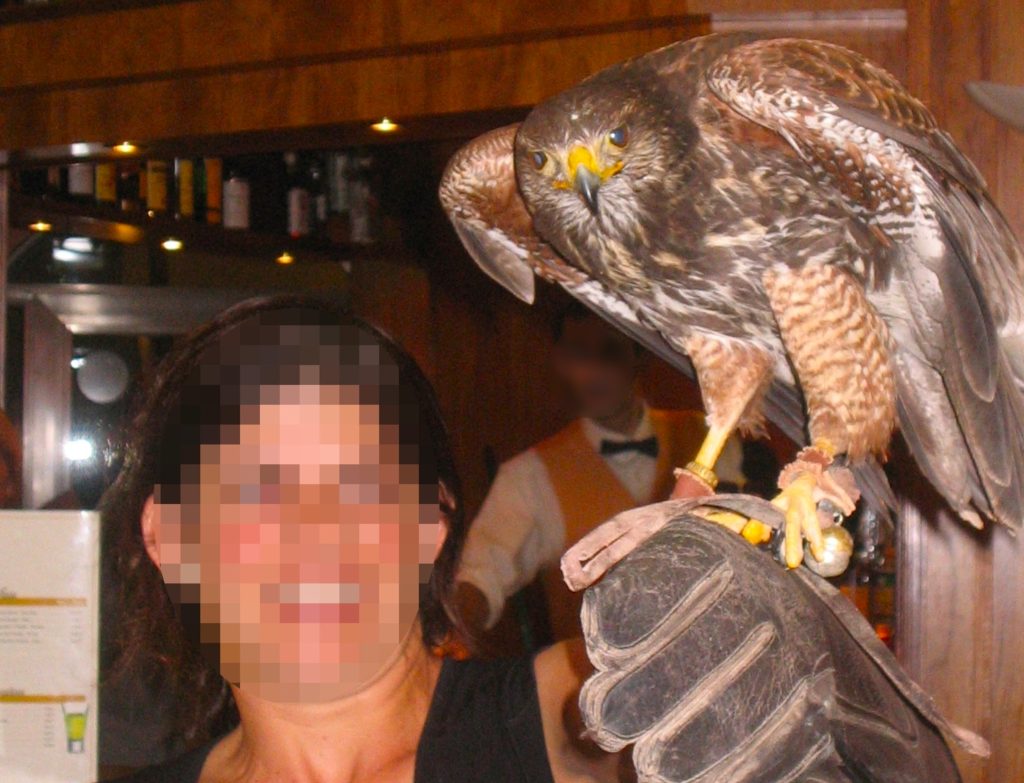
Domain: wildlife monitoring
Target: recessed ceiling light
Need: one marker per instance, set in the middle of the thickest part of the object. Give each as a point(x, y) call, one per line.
point(78, 450)
point(40, 225)
point(78, 244)
point(385, 126)
point(285, 259)
point(172, 245)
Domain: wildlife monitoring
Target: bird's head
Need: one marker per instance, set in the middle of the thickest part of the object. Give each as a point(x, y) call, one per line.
point(589, 160)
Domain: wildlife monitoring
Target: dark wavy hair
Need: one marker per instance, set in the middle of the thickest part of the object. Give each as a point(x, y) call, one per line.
point(196, 398)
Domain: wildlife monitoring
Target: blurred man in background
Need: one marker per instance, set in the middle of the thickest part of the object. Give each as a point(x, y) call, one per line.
point(617, 455)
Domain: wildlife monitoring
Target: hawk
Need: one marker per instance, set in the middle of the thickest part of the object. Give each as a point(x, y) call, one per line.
point(787, 216)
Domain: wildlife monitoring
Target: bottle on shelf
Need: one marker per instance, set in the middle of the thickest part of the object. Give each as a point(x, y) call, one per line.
point(128, 186)
point(156, 186)
point(298, 198)
point(199, 190)
point(56, 181)
point(213, 170)
point(337, 183)
point(106, 183)
point(317, 180)
point(184, 189)
point(81, 181)
point(870, 582)
point(236, 201)
point(361, 201)
point(143, 185)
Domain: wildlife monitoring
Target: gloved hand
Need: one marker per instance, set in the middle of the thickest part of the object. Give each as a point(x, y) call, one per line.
point(720, 665)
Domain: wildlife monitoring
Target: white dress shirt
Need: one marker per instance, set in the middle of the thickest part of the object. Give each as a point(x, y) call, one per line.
point(520, 529)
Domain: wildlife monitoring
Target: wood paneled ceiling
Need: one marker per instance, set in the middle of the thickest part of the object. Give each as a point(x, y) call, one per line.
point(228, 68)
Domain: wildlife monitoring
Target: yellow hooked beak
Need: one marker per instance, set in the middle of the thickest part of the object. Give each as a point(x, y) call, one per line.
point(585, 176)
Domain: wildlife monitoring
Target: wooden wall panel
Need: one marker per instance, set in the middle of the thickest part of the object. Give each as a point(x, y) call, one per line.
point(879, 34)
point(159, 41)
point(1004, 58)
point(395, 296)
point(46, 407)
point(223, 66)
point(516, 74)
point(963, 594)
point(191, 37)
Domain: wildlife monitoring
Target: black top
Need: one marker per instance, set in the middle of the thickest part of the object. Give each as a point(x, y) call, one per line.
point(484, 724)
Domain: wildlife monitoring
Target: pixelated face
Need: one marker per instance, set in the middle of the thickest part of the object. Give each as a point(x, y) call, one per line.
point(308, 539)
point(599, 364)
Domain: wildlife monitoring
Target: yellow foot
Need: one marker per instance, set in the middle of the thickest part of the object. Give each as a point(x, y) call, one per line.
point(753, 531)
point(807, 481)
point(798, 503)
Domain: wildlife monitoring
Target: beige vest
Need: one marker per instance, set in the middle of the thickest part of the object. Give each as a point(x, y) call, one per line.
point(589, 493)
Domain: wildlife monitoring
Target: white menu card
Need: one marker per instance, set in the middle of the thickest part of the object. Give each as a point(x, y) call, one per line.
point(49, 646)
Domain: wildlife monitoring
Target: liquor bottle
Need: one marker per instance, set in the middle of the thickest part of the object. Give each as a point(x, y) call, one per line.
point(106, 183)
point(156, 186)
point(81, 181)
point(882, 596)
point(184, 189)
point(236, 201)
point(56, 181)
point(143, 185)
point(298, 198)
point(361, 202)
point(870, 583)
point(337, 183)
point(316, 178)
point(214, 179)
point(199, 190)
point(128, 186)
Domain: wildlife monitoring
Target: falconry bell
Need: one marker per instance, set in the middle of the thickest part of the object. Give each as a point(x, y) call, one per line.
point(838, 550)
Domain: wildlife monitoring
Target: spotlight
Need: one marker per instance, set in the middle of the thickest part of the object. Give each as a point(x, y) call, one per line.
point(78, 450)
point(172, 245)
point(385, 126)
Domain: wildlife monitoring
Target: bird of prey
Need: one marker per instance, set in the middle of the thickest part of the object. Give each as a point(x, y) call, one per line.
point(787, 216)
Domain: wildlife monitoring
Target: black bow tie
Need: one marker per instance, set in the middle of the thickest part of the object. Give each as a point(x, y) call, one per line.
point(648, 446)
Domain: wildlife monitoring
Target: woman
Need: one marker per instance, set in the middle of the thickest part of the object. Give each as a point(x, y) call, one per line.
point(291, 486)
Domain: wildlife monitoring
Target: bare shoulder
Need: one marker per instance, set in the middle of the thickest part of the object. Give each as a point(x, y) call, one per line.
point(561, 670)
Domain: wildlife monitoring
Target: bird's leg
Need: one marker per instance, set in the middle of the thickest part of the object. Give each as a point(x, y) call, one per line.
point(733, 377)
point(799, 502)
point(701, 470)
point(698, 478)
point(838, 345)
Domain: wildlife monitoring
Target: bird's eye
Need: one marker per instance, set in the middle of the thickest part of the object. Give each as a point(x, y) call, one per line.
point(539, 159)
point(619, 137)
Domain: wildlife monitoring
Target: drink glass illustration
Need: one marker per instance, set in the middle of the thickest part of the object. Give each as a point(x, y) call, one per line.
point(74, 726)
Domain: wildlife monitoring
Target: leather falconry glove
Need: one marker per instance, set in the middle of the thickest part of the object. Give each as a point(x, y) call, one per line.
point(719, 665)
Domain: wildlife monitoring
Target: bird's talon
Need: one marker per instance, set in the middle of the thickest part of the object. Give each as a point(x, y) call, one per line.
point(797, 501)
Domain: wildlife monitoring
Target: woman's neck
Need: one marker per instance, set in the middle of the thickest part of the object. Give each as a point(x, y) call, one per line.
point(371, 735)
